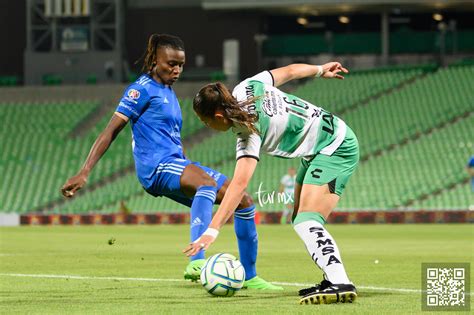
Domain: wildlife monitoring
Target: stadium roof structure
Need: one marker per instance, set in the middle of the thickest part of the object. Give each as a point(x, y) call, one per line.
point(335, 6)
point(309, 6)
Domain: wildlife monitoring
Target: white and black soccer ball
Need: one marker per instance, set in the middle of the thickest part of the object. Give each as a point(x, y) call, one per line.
point(222, 275)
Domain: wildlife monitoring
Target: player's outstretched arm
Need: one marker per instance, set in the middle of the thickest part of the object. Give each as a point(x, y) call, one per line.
point(100, 146)
point(300, 70)
point(244, 170)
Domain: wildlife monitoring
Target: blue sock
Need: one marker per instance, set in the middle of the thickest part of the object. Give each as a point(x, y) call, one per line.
point(201, 214)
point(247, 239)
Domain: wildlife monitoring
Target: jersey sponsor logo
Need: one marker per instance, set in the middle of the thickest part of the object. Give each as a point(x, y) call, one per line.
point(249, 94)
point(316, 112)
point(326, 244)
point(129, 108)
point(269, 108)
point(133, 94)
point(130, 100)
point(249, 91)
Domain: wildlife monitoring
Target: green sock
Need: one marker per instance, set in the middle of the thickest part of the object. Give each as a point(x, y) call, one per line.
point(308, 216)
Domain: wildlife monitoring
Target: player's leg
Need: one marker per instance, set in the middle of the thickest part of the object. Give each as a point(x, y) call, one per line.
point(309, 225)
point(247, 238)
point(193, 269)
point(186, 183)
point(195, 181)
point(245, 230)
point(324, 181)
point(244, 224)
point(289, 215)
point(298, 186)
point(197, 184)
point(317, 202)
point(285, 213)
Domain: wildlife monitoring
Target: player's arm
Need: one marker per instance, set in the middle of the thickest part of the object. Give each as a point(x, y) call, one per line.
point(244, 169)
point(299, 70)
point(100, 146)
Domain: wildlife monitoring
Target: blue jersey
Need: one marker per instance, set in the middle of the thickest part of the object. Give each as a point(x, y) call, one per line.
point(156, 122)
point(470, 163)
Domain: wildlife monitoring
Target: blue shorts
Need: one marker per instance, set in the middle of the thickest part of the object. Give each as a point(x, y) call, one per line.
point(167, 176)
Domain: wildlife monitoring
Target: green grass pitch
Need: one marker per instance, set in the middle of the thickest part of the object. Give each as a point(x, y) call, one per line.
point(141, 272)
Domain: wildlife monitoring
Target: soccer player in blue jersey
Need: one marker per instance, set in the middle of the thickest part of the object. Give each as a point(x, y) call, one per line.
point(153, 110)
point(470, 171)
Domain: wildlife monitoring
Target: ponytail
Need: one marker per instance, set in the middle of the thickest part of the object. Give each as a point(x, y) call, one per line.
point(216, 96)
point(156, 41)
point(150, 53)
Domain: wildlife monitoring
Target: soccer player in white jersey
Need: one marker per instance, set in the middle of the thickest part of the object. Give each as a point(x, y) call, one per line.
point(280, 124)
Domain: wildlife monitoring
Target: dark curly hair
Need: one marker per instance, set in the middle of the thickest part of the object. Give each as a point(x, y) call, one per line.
point(156, 41)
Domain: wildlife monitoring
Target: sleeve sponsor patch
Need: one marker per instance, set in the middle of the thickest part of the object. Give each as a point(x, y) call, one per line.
point(133, 101)
point(133, 94)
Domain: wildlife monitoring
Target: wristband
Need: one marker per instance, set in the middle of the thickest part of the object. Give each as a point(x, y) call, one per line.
point(320, 72)
point(211, 232)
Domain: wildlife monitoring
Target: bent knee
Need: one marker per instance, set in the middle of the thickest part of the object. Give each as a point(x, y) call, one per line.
point(246, 201)
point(208, 181)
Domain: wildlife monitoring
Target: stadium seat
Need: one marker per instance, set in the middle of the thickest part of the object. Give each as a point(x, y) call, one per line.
point(403, 117)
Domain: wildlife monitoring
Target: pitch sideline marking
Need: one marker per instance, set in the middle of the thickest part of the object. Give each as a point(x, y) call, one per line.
point(292, 284)
point(88, 277)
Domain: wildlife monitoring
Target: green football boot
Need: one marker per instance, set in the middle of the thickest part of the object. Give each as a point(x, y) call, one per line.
point(193, 270)
point(260, 284)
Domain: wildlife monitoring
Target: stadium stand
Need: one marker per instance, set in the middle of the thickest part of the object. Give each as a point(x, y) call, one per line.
point(120, 189)
point(402, 116)
point(420, 106)
point(414, 170)
point(214, 150)
point(458, 198)
point(43, 154)
point(339, 97)
point(37, 155)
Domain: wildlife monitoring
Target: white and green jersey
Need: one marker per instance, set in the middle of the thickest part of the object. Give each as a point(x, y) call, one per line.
point(288, 126)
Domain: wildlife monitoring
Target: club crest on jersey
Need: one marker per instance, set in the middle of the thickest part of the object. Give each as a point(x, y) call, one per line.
point(133, 94)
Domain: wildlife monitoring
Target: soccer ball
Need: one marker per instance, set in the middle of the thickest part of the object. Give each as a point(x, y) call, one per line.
point(222, 275)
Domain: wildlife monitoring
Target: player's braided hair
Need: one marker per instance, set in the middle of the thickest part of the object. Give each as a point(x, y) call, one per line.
point(156, 41)
point(216, 96)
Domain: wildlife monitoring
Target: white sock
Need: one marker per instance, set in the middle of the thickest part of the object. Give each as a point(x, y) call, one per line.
point(323, 250)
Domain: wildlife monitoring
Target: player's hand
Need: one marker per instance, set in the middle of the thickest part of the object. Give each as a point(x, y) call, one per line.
point(201, 243)
point(333, 70)
point(73, 184)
